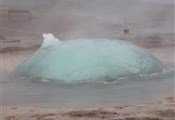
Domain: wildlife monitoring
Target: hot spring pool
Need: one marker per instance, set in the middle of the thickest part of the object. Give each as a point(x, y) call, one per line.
point(89, 94)
point(87, 73)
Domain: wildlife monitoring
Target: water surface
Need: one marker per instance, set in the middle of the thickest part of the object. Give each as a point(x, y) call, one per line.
point(131, 90)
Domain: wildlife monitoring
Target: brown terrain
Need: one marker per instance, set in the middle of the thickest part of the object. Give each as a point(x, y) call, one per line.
point(161, 110)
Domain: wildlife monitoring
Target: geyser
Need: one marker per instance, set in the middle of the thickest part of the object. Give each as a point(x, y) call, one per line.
point(87, 59)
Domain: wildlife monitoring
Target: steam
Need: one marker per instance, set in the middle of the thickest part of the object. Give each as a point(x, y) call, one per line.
point(71, 19)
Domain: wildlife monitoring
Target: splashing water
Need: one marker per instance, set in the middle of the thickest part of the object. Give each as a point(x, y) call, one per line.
point(87, 60)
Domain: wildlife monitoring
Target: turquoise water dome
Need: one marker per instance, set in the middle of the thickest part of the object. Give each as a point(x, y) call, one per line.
point(87, 60)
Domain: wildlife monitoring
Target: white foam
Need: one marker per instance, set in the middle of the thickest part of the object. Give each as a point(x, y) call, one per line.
point(49, 41)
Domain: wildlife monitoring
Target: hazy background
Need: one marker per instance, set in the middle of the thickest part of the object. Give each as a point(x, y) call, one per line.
point(69, 19)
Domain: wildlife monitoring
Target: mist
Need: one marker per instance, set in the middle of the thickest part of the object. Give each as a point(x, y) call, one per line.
point(69, 19)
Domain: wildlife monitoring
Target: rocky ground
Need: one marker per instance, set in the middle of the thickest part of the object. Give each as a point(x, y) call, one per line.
point(161, 110)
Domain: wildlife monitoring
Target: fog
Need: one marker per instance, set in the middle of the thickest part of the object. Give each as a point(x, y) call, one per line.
point(70, 19)
point(53, 1)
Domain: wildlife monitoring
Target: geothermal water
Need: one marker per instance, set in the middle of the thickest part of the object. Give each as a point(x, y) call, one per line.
point(130, 90)
point(121, 73)
point(87, 60)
